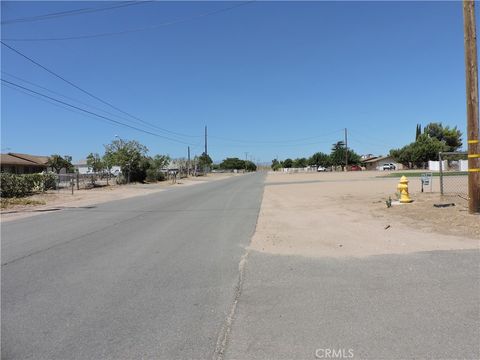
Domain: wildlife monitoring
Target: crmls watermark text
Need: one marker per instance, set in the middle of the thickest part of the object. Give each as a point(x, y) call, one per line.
point(333, 353)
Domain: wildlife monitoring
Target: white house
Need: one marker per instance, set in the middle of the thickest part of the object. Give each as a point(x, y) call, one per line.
point(82, 168)
point(378, 162)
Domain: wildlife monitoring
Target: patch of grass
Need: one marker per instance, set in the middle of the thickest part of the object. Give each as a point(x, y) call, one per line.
point(419, 174)
point(9, 202)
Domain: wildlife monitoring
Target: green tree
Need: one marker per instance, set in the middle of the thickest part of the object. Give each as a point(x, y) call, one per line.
point(276, 165)
point(94, 162)
point(108, 162)
point(418, 153)
point(250, 166)
point(418, 132)
point(68, 164)
point(160, 161)
point(139, 173)
point(205, 161)
point(156, 164)
point(232, 164)
point(287, 163)
point(434, 130)
point(452, 137)
point(353, 157)
point(426, 148)
point(337, 156)
point(300, 163)
point(130, 155)
point(58, 163)
point(319, 159)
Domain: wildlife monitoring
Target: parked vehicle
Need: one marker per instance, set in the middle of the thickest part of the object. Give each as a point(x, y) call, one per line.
point(321, 169)
point(355, 168)
point(388, 166)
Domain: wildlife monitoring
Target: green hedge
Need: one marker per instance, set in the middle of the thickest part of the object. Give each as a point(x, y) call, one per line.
point(13, 185)
point(154, 175)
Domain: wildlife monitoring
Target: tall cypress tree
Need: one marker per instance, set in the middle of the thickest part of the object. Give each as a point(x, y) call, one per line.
point(419, 131)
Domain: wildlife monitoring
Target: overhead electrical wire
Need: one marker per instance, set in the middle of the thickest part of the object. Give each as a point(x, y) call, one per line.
point(276, 141)
point(145, 28)
point(281, 143)
point(92, 113)
point(52, 102)
point(259, 145)
point(377, 141)
point(61, 14)
point(192, 146)
point(92, 95)
point(73, 99)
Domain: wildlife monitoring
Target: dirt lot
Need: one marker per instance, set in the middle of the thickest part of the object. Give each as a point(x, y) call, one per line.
point(82, 198)
point(344, 214)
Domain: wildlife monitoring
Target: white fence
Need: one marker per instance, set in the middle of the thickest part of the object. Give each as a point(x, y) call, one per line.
point(435, 165)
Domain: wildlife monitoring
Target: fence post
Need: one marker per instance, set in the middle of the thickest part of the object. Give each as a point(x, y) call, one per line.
point(78, 179)
point(441, 172)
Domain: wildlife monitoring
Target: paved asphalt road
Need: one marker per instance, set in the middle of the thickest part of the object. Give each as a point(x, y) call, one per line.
point(148, 277)
point(159, 277)
point(424, 305)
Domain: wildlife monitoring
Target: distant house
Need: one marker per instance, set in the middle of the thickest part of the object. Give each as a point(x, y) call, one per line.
point(377, 163)
point(16, 163)
point(366, 157)
point(82, 168)
point(175, 165)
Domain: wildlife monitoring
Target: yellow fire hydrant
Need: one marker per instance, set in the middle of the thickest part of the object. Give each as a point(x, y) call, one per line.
point(403, 189)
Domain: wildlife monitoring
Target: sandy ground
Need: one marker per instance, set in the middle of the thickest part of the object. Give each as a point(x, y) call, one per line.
point(345, 215)
point(83, 198)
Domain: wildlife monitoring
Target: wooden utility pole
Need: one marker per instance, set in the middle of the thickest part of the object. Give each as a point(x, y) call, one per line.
point(471, 71)
point(206, 150)
point(188, 163)
point(346, 150)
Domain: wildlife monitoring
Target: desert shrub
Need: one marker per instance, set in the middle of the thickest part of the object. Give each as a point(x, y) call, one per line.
point(153, 175)
point(49, 181)
point(13, 185)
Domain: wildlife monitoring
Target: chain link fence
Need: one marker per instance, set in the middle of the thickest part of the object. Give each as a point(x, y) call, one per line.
point(65, 182)
point(453, 173)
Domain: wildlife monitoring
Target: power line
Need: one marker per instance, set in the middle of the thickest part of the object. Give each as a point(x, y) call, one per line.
point(371, 145)
point(260, 145)
point(92, 113)
point(64, 96)
point(145, 28)
point(277, 141)
point(90, 94)
point(376, 140)
point(70, 98)
point(61, 14)
point(52, 102)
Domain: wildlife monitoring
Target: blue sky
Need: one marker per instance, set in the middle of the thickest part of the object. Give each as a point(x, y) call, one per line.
point(268, 78)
